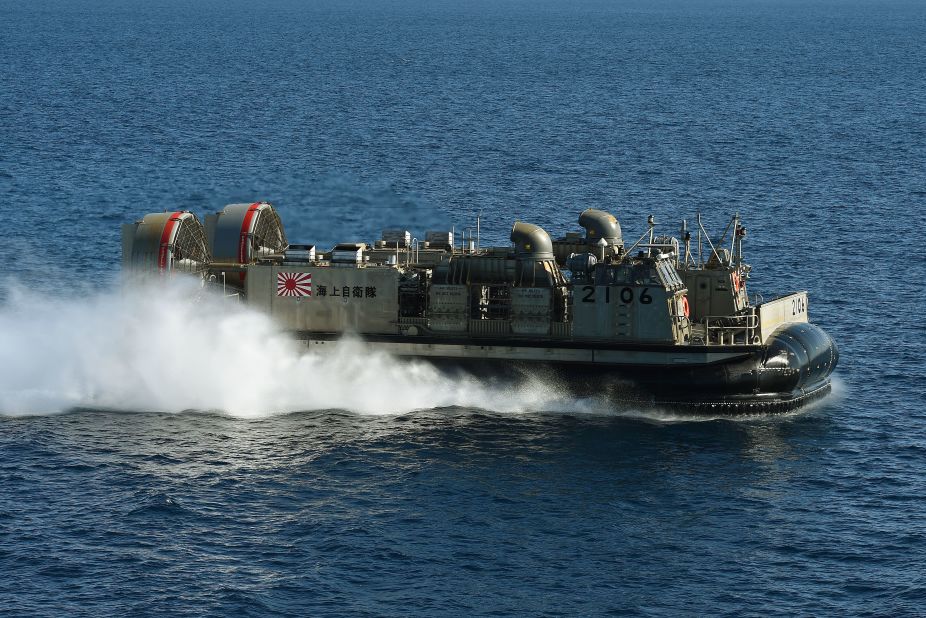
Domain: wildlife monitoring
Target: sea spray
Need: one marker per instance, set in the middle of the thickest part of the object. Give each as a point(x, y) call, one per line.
point(174, 347)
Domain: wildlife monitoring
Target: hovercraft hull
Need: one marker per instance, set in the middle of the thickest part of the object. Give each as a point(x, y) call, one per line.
point(791, 369)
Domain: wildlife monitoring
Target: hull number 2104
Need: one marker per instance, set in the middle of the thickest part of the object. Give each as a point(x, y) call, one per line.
point(798, 305)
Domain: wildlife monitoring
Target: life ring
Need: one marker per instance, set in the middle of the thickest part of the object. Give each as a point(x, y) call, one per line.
point(685, 308)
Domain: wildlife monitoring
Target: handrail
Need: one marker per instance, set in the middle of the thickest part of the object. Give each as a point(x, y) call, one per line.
point(747, 324)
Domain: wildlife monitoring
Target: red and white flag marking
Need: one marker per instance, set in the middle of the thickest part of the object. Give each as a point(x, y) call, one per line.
point(294, 284)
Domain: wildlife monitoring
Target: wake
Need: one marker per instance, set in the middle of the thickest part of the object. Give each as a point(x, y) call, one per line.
point(173, 347)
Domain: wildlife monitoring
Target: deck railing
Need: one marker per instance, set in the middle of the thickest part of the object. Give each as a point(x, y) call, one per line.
point(731, 329)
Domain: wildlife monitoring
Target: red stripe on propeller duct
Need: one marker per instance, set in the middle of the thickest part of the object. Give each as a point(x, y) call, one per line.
point(166, 234)
point(246, 231)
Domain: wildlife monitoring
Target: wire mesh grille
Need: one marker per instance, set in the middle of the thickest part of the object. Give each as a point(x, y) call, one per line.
point(189, 249)
point(268, 236)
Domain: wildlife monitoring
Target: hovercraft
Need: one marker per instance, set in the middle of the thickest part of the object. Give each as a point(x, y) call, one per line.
point(667, 320)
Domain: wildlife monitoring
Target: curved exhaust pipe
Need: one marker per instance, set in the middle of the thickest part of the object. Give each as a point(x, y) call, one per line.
point(531, 242)
point(599, 224)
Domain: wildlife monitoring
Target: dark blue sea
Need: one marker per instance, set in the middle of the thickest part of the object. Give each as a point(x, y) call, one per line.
point(163, 459)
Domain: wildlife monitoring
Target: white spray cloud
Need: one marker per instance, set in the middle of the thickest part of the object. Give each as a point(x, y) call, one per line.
point(153, 348)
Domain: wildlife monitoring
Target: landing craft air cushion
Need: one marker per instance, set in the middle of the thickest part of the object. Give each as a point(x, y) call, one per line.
point(653, 322)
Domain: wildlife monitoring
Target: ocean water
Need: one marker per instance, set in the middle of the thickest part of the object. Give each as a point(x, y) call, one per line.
point(161, 458)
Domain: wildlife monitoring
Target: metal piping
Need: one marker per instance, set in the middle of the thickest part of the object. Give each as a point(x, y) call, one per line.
point(600, 224)
point(531, 242)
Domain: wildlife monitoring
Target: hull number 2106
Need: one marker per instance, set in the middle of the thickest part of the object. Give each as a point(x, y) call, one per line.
point(626, 295)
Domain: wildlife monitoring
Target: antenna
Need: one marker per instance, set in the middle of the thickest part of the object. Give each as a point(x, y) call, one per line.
point(700, 227)
point(478, 215)
point(686, 238)
point(740, 234)
point(708, 236)
point(736, 226)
